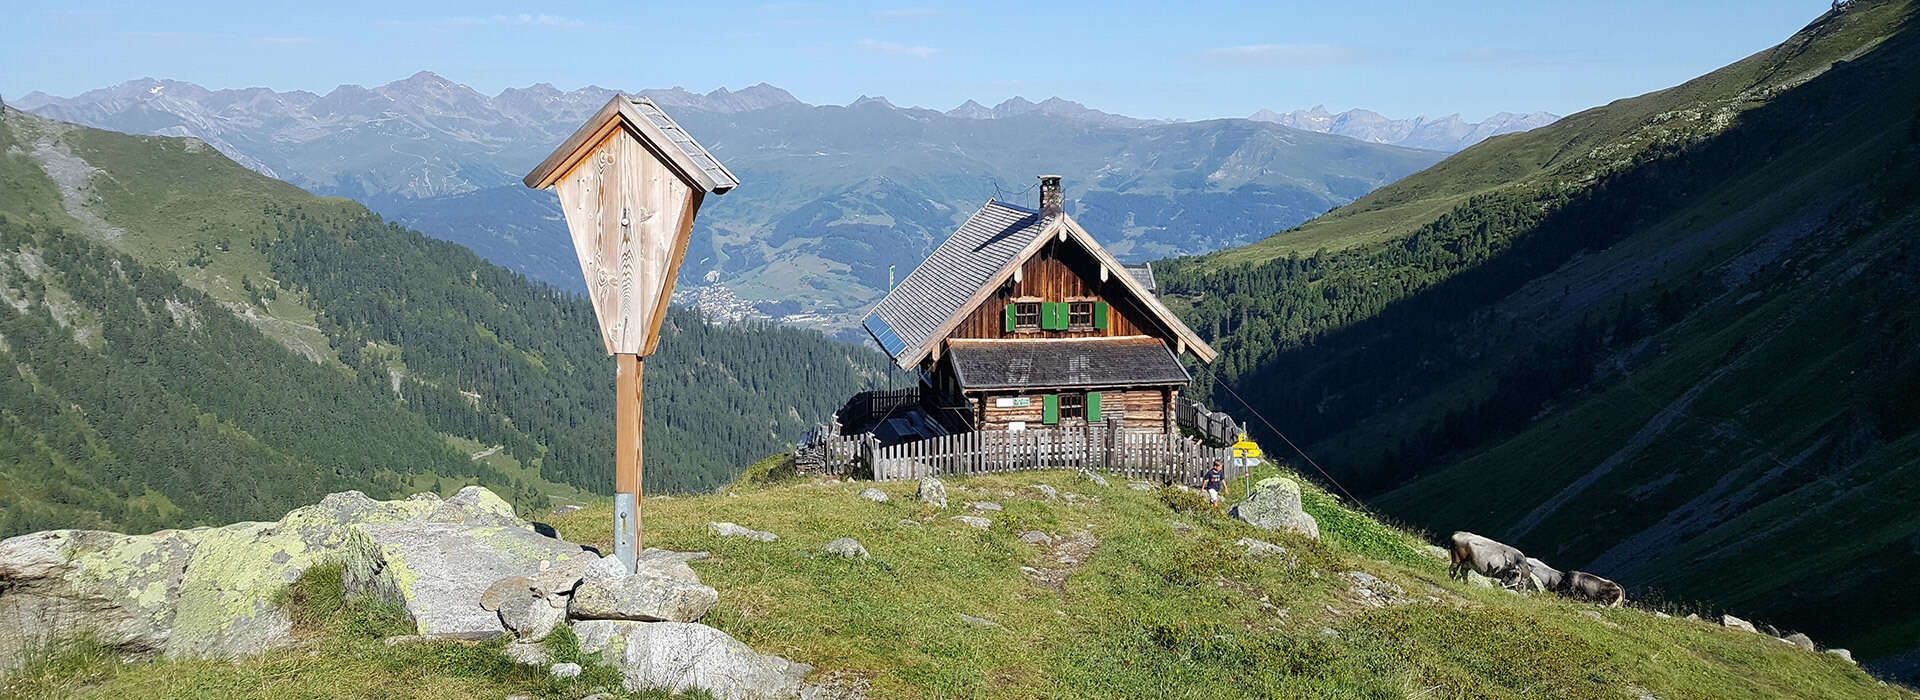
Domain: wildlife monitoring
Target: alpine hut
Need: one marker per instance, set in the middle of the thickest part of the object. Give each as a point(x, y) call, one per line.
point(1021, 320)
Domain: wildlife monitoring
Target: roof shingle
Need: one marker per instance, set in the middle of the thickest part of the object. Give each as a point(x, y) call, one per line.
point(1057, 363)
point(982, 247)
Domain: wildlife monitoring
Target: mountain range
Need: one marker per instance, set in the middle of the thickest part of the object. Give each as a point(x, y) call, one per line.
point(1669, 340)
point(1449, 133)
point(834, 200)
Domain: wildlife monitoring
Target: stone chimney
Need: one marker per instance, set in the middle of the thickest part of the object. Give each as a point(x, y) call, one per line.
point(1050, 203)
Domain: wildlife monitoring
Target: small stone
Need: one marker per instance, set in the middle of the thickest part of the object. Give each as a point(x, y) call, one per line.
point(1047, 491)
point(1259, 549)
point(526, 654)
point(984, 506)
point(977, 621)
point(974, 521)
point(503, 590)
point(1801, 640)
point(872, 494)
point(847, 547)
point(1434, 551)
point(530, 619)
point(563, 510)
point(910, 522)
point(1693, 616)
point(724, 529)
point(932, 492)
point(1180, 526)
point(1329, 631)
point(1737, 623)
point(1097, 479)
point(1844, 654)
point(565, 670)
point(1139, 486)
point(1595, 614)
point(1036, 537)
point(1661, 615)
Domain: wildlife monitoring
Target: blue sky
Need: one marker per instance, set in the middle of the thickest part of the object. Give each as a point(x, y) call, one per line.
point(1187, 60)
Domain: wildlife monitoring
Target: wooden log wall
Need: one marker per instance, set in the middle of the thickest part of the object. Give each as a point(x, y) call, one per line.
point(1062, 271)
point(1139, 408)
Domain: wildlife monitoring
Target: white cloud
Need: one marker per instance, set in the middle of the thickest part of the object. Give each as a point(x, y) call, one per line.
point(1285, 55)
point(891, 48)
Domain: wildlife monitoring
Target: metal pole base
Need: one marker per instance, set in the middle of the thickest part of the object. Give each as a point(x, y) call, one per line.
point(626, 522)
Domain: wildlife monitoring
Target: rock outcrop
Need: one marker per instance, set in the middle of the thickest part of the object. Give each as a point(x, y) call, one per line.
point(204, 592)
point(932, 492)
point(682, 656)
point(1275, 505)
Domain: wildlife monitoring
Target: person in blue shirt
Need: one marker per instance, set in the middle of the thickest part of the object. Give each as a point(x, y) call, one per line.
point(1214, 482)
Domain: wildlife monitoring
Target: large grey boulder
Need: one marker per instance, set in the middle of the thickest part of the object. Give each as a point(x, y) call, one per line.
point(438, 572)
point(1737, 623)
point(932, 492)
point(1275, 505)
point(205, 592)
point(1801, 640)
point(643, 596)
point(680, 657)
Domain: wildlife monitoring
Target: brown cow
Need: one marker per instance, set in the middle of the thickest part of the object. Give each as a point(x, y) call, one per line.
point(1584, 586)
point(1486, 557)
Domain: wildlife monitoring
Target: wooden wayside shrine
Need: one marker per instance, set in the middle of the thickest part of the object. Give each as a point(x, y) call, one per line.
point(630, 182)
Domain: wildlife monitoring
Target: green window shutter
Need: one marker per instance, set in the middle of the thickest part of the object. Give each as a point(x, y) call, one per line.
point(1093, 407)
point(1059, 315)
point(1010, 318)
point(1100, 315)
point(1046, 315)
point(1050, 409)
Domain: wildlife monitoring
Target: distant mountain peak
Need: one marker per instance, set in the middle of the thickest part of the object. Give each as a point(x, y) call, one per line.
point(865, 100)
point(1448, 133)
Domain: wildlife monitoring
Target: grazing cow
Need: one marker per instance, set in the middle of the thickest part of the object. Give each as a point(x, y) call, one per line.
point(1538, 576)
point(1486, 557)
point(1584, 586)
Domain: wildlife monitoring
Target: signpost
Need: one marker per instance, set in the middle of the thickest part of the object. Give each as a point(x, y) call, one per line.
point(630, 181)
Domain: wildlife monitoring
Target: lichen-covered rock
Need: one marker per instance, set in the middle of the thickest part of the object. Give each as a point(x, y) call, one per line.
point(565, 670)
point(681, 656)
point(984, 507)
point(847, 547)
point(872, 494)
point(1844, 654)
point(475, 505)
point(734, 530)
point(1275, 505)
point(1036, 537)
point(439, 572)
point(526, 654)
point(1259, 549)
point(974, 521)
point(1047, 492)
point(1801, 640)
point(1737, 623)
point(206, 592)
point(640, 597)
point(1097, 479)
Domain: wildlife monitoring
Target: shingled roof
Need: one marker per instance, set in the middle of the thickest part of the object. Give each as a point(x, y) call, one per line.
point(1069, 363)
point(991, 240)
point(912, 318)
point(661, 134)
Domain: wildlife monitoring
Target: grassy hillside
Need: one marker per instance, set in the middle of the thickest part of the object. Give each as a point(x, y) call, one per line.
point(1668, 339)
point(1141, 594)
point(188, 342)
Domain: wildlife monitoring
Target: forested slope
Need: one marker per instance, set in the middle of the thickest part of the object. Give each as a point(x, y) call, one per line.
point(1669, 339)
point(187, 342)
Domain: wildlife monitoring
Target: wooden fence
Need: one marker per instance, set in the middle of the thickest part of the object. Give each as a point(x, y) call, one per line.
point(1217, 426)
point(1135, 454)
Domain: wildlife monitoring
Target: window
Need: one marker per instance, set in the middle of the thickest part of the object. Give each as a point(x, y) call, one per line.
point(1073, 406)
point(1080, 315)
point(1026, 315)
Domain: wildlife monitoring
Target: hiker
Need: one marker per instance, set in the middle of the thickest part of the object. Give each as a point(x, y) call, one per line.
point(1214, 482)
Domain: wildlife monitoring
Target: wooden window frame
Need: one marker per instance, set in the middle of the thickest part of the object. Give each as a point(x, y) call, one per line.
point(1073, 405)
point(1026, 316)
point(1073, 305)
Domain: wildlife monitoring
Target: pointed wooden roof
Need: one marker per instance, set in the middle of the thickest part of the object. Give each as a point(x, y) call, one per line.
point(912, 319)
point(645, 120)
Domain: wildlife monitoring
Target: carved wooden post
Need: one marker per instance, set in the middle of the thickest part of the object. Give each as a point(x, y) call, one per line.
point(630, 182)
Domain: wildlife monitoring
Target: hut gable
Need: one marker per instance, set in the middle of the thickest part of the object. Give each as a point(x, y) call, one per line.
point(1010, 272)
